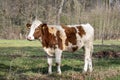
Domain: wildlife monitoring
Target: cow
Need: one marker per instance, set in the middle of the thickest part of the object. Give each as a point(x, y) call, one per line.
point(58, 38)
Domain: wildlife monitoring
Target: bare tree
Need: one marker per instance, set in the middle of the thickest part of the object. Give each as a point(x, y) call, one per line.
point(59, 12)
point(104, 15)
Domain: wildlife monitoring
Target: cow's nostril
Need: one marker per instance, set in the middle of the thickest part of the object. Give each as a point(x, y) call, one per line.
point(28, 38)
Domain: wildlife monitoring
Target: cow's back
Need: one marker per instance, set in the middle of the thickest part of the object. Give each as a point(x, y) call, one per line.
point(74, 36)
point(89, 31)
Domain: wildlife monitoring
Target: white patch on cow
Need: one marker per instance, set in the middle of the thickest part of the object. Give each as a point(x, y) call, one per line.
point(34, 25)
point(49, 60)
point(49, 51)
point(58, 54)
point(59, 27)
point(89, 31)
point(79, 39)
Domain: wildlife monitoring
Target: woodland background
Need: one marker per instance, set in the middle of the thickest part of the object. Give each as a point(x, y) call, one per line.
point(103, 15)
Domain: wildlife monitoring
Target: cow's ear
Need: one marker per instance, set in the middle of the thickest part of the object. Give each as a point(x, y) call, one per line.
point(44, 25)
point(41, 26)
point(28, 25)
point(44, 29)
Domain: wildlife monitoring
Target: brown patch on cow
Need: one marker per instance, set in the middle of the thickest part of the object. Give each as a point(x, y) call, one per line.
point(59, 40)
point(48, 39)
point(37, 33)
point(81, 31)
point(74, 48)
point(71, 35)
point(28, 25)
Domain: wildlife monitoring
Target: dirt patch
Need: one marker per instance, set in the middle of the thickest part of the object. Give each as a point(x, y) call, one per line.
point(107, 54)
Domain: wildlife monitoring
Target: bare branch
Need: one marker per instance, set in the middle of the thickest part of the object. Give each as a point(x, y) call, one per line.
point(59, 12)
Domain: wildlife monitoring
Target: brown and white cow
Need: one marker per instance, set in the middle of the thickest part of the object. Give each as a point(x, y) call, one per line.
point(58, 38)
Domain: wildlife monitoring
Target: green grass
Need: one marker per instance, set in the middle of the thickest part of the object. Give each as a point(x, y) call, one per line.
point(107, 42)
point(22, 59)
point(19, 43)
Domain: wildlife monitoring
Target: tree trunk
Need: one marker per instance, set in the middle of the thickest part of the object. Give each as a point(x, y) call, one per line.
point(59, 12)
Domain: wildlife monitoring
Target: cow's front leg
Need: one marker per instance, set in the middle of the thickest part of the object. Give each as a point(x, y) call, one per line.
point(58, 54)
point(49, 60)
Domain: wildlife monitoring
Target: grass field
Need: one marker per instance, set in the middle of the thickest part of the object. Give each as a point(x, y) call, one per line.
point(25, 60)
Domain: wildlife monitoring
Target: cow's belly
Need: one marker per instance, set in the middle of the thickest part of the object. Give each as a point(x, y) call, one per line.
point(72, 48)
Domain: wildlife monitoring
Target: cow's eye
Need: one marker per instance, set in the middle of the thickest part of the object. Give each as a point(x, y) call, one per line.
point(37, 29)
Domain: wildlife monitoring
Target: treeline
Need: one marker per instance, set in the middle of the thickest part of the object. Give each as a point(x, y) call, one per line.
point(103, 15)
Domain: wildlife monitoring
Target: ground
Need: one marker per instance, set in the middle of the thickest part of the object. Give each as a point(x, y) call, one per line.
point(26, 60)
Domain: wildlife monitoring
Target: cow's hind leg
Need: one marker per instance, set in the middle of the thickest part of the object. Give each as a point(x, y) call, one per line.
point(88, 57)
point(49, 60)
point(90, 60)
point(58, 54)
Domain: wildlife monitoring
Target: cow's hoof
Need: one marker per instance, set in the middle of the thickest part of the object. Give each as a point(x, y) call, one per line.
point(59, 73)
point(49, 73)
point(84, 72)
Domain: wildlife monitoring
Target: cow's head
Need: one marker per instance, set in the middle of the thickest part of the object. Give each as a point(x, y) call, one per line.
point(34, 30)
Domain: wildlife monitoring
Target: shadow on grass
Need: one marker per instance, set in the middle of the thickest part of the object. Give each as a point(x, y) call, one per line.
point(106, 63)
point(44, 70)
point(4, 67)
point(6, 70)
